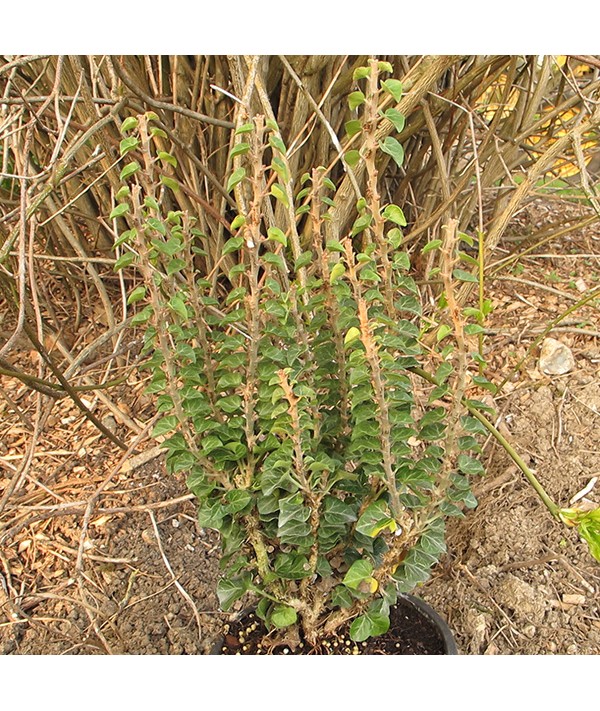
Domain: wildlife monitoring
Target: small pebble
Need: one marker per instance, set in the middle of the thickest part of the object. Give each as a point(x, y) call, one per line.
point(555, 358)
point(530, 631)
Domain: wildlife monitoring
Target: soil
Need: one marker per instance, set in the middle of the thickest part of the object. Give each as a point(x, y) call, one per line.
point(412, 631)
point(99, 558)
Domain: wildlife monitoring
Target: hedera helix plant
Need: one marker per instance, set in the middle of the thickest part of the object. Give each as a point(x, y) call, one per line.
point(327, 466)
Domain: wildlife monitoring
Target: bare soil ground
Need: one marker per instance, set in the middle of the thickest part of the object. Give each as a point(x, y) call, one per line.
point(99, 558)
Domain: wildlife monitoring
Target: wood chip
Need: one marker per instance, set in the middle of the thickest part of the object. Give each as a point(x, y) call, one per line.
point(573, 599)
point(142, 458)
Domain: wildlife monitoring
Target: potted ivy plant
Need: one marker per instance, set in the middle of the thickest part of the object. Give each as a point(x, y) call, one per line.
point(289, 381)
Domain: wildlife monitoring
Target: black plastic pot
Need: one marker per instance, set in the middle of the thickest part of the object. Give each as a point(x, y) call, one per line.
point(415, 628)
point(441, 626)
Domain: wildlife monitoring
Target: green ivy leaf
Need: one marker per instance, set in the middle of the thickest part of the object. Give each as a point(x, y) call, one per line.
point(136, 295)
point(361, 73)
point(414, 569)
point(337, 272)
point(473, 426)
point(169, 183)
point(238, 222)
point(177, 304)
point(124, 261)
point(355, 99)
point(393, 87)
point(443, 372)
point(167, 158)
point(155, 132)
point(470, 312)
point(397, 119)
point(352, 334)
point(335, 246)
point(244, 128)
point(210, 443)
point(276, 142)
point(433, 244)
point(395, 214)
point(281, 169)
point(236, 177)
point(233, 244)
point(176, 265)
point(484, 383)
point(352, 158)
point(235, 295)
point(128, 144)
point(472, 329)
point(283, 616)
point(237, 500)
point(401, 259)
point(274, 233)
point(442, 332)
point(119, 210)
point(361, 223)
point(274, 259)
point(291, 566)
point(239, 149)
point(129, 169)
point(375, 519)
point(462, 275)
point(279, 193)
point(360, 571)
point(229, 380)
point(143, 316)
point(151, 203)
point(129, 124)
point(303, 260)
point(157, 225)
point(352, 127)
point(164, 425)
point(368, 625)
point(394, 149)
point(231, 589)
point(470, 465)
